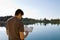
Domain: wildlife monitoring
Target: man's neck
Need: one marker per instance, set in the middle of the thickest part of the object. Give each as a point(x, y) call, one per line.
point(18, 17)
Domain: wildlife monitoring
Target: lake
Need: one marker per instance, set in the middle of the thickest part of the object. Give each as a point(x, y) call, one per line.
point(40, 32)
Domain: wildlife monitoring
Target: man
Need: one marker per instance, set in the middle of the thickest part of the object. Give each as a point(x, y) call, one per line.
point(15, 27)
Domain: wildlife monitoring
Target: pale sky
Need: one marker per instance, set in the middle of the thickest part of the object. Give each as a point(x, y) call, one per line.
point(37, 9)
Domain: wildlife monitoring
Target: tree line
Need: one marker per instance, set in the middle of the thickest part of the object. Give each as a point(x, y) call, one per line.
point(28, 21)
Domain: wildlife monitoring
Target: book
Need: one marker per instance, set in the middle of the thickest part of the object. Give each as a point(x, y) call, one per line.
point(29, 29)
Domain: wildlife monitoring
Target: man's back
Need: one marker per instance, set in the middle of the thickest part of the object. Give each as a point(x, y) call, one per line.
point(14, 26)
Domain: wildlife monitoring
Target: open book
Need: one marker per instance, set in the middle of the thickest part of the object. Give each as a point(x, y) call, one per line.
point(29, 29)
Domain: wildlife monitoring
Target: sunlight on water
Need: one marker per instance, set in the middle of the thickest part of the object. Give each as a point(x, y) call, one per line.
point(3, 35)
point(2, 29)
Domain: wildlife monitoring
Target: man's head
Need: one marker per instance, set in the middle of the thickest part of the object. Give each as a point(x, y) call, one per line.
point(19, 13)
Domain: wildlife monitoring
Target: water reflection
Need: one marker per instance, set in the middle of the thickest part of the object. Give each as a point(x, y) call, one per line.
point(40, 32)
point(49, 23)
point(48, 32)
point(3, 35)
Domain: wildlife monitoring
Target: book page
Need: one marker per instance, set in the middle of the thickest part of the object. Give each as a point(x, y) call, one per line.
point(29, 29)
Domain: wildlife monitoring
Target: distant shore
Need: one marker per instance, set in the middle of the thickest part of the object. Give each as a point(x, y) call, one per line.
point(28, 21)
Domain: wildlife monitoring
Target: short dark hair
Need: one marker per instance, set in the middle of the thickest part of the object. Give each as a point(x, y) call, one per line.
point(19, 11)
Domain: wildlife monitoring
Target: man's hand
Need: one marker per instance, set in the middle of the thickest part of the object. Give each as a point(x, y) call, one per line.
point(22, 36)
point(26, 34)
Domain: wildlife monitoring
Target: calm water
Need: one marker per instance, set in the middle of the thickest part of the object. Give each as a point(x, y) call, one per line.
point(40, 32)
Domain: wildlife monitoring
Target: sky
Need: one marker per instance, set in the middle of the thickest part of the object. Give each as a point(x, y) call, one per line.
point(37, 9)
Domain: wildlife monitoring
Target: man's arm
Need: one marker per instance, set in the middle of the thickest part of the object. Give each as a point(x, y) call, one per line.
point(21, 31)
point(21, 35)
